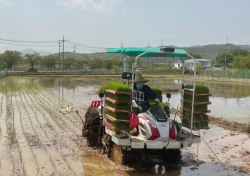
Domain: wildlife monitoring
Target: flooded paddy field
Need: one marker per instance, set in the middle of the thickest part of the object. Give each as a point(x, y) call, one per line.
point(37, 139)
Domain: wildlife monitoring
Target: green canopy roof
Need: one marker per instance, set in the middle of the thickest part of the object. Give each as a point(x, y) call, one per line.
point(149, 52)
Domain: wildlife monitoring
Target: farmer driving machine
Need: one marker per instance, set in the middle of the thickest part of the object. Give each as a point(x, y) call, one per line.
point(120, 127)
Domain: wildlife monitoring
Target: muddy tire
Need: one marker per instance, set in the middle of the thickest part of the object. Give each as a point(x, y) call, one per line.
point(93, 131)
point(92, 140)
point(117, 154)
point(172, 155)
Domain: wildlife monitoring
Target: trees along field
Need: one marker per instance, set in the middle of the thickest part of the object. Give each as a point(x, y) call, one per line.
point(8, 59)
point(32, 59)
point(241, 62)
point(235, 59)
point(49, 62)
point(14, 59)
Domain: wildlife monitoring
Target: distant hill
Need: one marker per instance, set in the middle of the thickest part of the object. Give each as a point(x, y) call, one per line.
point(31, 51)
point(206, 51)
point(211, 51)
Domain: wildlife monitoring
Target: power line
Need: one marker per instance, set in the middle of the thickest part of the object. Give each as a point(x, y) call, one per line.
point(23, 41)
point(82, 48)
point(86, 46)
point(7, 43)
point(62, 44)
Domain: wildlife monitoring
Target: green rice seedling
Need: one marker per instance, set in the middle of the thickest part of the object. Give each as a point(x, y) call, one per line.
point(12, 84)
point(29, 99)
point(156, 90)
point(200, 121)
point(24, 171)
point(116, 86)
point(125, 107)
point(118, 124)
point(120, 92)
point(203, 91)
point(120, 98)
point(118, 115)
point(165, 108)
point(201, 98)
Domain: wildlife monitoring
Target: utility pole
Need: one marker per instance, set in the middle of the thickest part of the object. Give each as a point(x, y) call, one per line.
point(123, 60)
point(59, 55)
point(62, 47)
point(148, 58)
point(74, 51)
point(226, 59)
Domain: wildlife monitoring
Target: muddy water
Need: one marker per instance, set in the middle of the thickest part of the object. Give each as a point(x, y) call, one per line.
point(229, 101)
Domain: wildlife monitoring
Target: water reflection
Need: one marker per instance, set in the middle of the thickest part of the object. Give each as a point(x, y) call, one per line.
point(229, 100)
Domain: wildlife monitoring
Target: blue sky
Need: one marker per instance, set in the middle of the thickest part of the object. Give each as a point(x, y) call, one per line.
point(92, 25)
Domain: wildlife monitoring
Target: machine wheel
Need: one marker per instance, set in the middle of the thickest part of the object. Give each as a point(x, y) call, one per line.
point(92, 139)
point(94, 132)
point(117, 154)
point(172, 155)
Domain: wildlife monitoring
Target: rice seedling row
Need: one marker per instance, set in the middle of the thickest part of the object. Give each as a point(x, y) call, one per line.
point(69, 150)
point(64, 120)
point(7, 166)
point(72, 118)
point(39, 140)
point(54, 118)
point(34, 141)
point(1, 115)
point(73, 137)
point(12, 142)
point(29, 164)
point(57, 160)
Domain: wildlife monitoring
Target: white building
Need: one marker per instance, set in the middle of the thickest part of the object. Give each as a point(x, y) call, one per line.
point(205, 63)
point(177, 65)
point(189, 64)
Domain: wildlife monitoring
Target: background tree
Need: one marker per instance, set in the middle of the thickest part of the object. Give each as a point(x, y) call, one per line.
point(115, 69)
point(112, 62)
point(96, 63)
point(10, 58)
point(130, 61)
point(48, 62)
point(1, 60)
point(226, 59)
point(68, 62)
point(32, 59)
point(241, 62)
point(81, 64)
